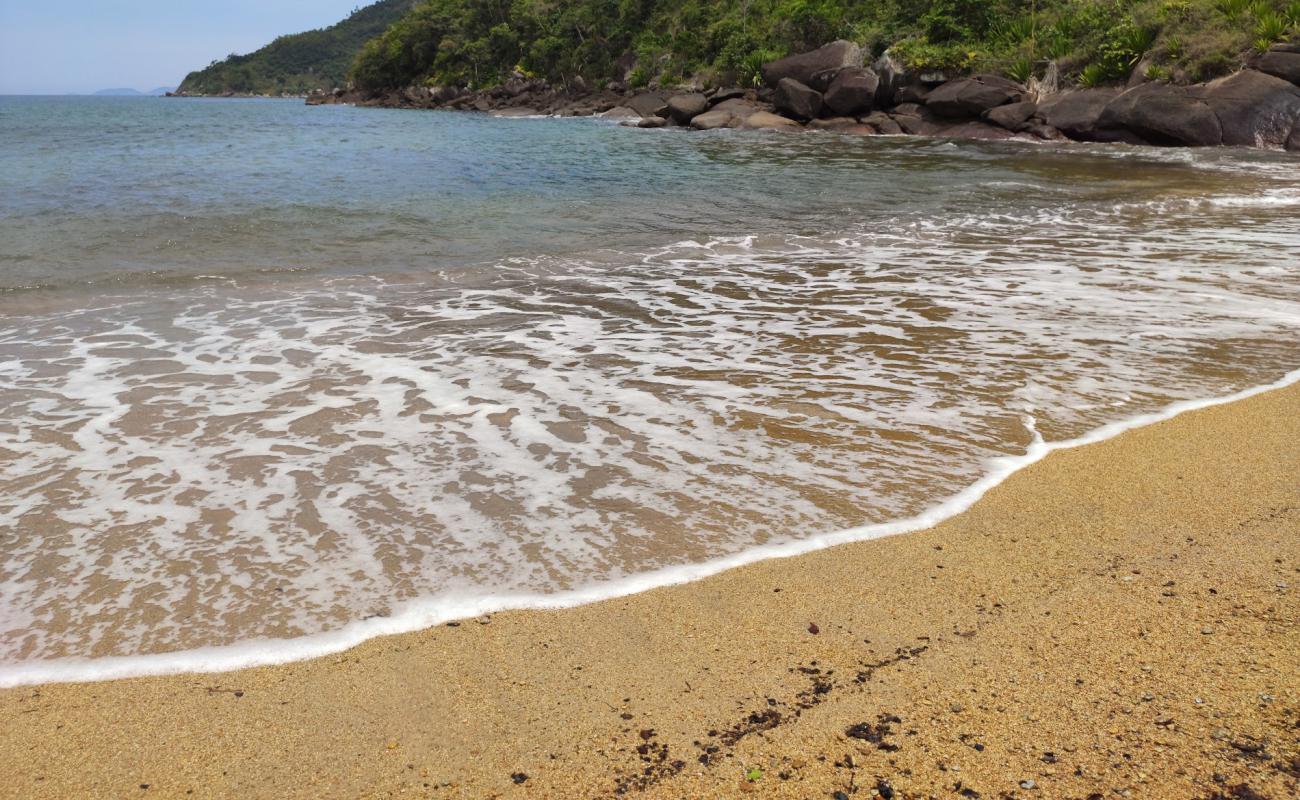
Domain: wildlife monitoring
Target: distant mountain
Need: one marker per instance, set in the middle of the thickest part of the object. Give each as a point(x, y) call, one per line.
point(159, 92)
point(299, 63)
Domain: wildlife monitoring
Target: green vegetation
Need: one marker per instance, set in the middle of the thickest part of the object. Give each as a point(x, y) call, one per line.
point(300, 63)
point(480, 43)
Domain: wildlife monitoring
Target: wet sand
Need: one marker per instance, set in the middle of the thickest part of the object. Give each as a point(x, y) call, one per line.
point(1119, 620)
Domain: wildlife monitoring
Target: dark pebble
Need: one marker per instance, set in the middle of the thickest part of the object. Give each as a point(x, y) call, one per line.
point(840, 796)
point(518, 777)
point(813, 629)
point(885, 790)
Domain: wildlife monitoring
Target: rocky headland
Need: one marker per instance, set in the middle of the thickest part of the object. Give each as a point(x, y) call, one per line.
point(834, 89)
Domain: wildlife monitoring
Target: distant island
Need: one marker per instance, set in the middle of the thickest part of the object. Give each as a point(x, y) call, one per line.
point(300, 63)
point(159, 92)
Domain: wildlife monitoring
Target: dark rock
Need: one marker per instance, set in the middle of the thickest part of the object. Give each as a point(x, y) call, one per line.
point(796, 99)
point(852, 92)
point(974, 130)
point(882, 122)
point(1041, 130)
point(518, 777)
point(621, 112)
point(834, 123)
point(651, 122)
point(815, 69)
point(1163, 115)
point(1293, 143)
point(683, 107)
point(1076, 114)
point(1012, 116)
point(971, 97)
point(764, 120)
point(1254, 109)
point(1281, 61)
point(916, 120)
point(719, 95)
point(902, 84)
point(711, 120)
point(444, 94)
point(648, 104)
point(911, 94)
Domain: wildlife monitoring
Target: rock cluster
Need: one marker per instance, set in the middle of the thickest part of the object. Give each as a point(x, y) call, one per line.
point(832, 89)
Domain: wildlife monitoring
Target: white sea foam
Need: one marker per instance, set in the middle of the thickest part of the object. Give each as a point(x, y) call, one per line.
point(251, 476)
point(420, 614)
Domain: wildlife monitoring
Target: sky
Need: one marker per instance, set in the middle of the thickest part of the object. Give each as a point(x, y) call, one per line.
point(82, 46)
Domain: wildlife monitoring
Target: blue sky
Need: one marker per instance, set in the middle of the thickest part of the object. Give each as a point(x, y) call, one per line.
point(58, 46)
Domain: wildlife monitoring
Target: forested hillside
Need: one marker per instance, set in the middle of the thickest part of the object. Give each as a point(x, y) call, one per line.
point(471, 42)
point(301, 62)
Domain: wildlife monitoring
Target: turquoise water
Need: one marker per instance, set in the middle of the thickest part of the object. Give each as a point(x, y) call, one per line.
point(272, 374)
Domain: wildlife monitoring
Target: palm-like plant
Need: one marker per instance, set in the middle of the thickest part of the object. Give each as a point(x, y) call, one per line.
point(1270, 26)
point(1021, 70)
point(1092, 75)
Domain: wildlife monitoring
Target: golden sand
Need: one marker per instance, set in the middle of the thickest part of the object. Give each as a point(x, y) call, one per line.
point(1119, 620)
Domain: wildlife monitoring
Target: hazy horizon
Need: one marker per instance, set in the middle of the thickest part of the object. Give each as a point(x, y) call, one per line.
point(81, 47)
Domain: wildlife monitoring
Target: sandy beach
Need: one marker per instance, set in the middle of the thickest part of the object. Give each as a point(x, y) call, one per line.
point(1118, 620)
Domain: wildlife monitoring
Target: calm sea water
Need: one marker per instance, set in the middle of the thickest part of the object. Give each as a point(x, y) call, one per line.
point(271, 372)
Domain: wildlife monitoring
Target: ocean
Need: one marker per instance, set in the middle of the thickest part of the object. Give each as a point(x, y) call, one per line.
point(275, 379)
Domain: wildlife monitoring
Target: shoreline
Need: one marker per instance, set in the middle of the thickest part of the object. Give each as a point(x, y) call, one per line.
point(422, 615)
point(831, 89)
point(1119, 617)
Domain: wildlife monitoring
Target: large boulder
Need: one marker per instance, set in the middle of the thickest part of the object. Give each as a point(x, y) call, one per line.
point(648, 104)
point(975, 130)
point(620, 112)
point(1293, 144)
point(816, 69)
point(684, 107)
point(833, 123)
point(1164, 115)
point(1254, 109)
point(971, 97)
point(767, 121)
point(1011, 116)
point(853, 91)
point(713, 119)
point(917, 120)
point(1281, 61)
point(721, 95)
point(1076, 114)
point(882, 123)
point(796, 99)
